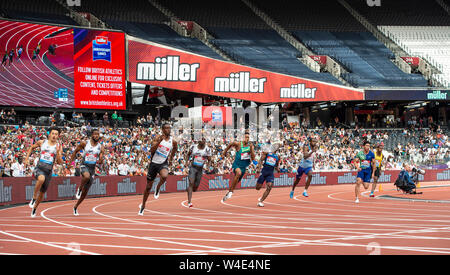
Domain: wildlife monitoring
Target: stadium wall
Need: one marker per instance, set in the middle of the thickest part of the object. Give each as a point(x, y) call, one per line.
point(20, 190)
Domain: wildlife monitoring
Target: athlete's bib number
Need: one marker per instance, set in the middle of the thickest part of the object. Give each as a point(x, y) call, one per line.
point(365, 164)
point(271, 161)
point(47, 157)
point(91, 158)
point(199, 160)
point(245, 156)
point(377, 163)
point(163, 151)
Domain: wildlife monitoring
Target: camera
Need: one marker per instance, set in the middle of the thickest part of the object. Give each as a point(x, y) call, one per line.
point(419, 171)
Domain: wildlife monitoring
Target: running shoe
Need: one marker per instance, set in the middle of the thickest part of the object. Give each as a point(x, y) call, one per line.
point(291, 195)
point(33, 213)
point(227, 196)
point(31, 204)
point(357, 200)
point(190, 205)
point(156, 194)
point(141, 210)
point(75, 212)
point(305, 193)
point(78, 194)
point(371, 195)
point(260, 204)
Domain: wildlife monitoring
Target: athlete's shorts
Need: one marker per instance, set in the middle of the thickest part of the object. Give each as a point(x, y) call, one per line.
point(301, 171)
point(154, 169)
point(48, 176)
point(265, 177)
point(242, 168)
point(195, 174)
point(365, 175)
point(377, 172)
point(91, 171)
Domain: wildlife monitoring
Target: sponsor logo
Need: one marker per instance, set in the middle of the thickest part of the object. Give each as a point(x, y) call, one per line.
point(347, 178)
point(437, 95)
point(101, 49)
point(5, 192)
point(126, 186)
point(219, 183)
point(182, 184)
point(29, 191)
point(317, 179)
point(249, 181)
point(283, 180)
point(444, 175)
point(167, 68)
point(66, 190)
point(298, 91)
point(97, 188)
point(239, 82)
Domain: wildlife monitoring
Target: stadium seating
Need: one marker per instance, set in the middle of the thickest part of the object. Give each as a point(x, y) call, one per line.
point(403, 13)
point(431, 43)
point(265, 49)
point(368, 61)
point(45, 11)
point(141, 19)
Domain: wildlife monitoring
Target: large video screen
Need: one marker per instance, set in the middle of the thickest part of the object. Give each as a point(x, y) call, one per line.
point(53, 66)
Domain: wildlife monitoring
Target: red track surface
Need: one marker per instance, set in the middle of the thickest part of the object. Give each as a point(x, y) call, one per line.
point(328, 222)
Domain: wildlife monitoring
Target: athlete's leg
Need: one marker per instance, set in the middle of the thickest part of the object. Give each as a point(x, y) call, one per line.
point(374, 184)
point(357, 187)
point(86, 178)
point(147, 190)
point(236, 179)
point(308, 182)
point(190, 188)
point(37, 187)
point(267, 192)
point(163, 174)
point(44, 185)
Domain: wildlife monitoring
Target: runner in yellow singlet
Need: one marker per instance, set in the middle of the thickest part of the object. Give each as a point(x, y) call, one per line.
point(379, 160)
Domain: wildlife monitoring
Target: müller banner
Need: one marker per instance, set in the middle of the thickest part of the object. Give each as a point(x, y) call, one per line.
point(158, 65)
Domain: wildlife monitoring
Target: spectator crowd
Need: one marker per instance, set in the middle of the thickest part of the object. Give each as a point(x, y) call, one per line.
point(127, 149)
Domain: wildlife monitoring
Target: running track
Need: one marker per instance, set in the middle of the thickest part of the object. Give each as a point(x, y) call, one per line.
point(328, 222)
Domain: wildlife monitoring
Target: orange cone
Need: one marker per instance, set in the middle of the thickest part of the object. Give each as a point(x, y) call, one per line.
point(380, 187)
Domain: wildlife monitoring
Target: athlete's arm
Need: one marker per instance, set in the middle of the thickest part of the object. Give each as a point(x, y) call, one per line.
point(59, 153)
point(252, 152)
point(233, 144)
point(102, 153)
point(261, 160)
point(174, 151)
point(31, 149)
point(156, 143)
point(80, 147)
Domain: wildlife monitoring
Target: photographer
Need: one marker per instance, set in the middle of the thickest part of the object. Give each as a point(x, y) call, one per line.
point(406, 181)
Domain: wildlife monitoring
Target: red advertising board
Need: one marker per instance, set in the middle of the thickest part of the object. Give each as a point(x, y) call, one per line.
point(321, 59)
point(20, 190)
point(100, 77)
point(413, 61)
point(158, 65)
